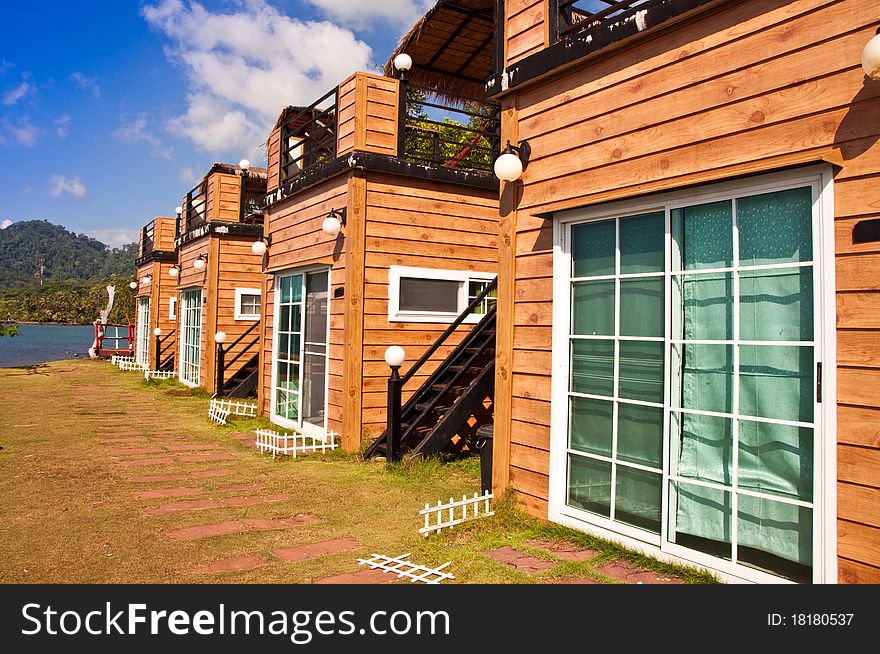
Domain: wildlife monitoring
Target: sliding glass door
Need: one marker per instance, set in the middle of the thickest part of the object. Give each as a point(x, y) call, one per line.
point(191, 336)
point(692, 386)
point(142, 352)
point(301, 349)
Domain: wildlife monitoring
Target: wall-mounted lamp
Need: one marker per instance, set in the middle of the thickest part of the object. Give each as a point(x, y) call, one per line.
point(146, 279)
point(132, 285)
point(334, 221)
point(174, 272)
point(513, 161)
point(871, 58)
point(260, 247)
point(402, 63)
point(199, 264)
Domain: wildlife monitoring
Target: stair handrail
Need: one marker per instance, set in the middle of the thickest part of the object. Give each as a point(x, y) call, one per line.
point(221, 362)
point(446, 334)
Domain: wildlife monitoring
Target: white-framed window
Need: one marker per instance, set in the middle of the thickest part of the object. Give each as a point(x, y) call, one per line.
point(436, 295)
point(689, 332)
point(247, 304)
point(191, 337)
point(142, 353)
point(172, 308)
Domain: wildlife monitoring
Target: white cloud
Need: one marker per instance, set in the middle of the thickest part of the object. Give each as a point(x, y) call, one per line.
point(136, 132)
point(27, 190)
point(114, 237)
point(5, 224)
point(20, 133)
point(87, 83)
point(62, 127)
point(59, 184)
point(188, 175)
point(244, 67)
point(360, 14)
point(12, 96)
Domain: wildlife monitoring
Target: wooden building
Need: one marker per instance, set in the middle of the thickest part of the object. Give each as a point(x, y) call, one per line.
point(411, 242)
point(156, 301)
point(219, 278)
point(689, 299)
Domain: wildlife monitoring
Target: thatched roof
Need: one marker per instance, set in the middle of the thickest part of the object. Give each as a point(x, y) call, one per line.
point(234, 169)
point(452, 48)
point(291, 111)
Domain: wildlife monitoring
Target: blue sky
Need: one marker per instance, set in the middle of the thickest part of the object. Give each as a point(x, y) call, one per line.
point(111, 110)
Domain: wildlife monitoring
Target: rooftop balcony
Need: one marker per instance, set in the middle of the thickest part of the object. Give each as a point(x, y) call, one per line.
point(413, 130)
point(156, 241)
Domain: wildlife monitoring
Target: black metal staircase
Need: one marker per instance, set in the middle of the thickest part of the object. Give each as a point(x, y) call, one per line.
point(244, 382)
point(452, 401)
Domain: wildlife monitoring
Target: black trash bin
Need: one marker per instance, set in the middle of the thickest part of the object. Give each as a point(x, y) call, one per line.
point(485, 434)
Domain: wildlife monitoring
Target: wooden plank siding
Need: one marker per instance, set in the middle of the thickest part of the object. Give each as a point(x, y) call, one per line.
point(753, 87)
point(227, 197)
point(297, 241)
point(420, 224)
point(525, 28)
point(163, 233)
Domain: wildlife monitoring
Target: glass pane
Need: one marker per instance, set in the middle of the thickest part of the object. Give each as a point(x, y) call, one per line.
point(314, 391)
point(706, 377)
point(640, 434)
point(316, 308)
point(296, 288)
point(776, 305)
point(295, 317)
point(641, 371)
point(439, 295)
point(283, 374)
point(638, 498)
point(776, 227)
point(642, 240)
point(286, 283)
point(294, 347)
point(703, 236)
point(703, 307)
point(775, 537)
point(592, 367)
point(776, 382)
point(283, 346)
point(593, 308)
point(589, 485)
point(593, 248)
point(701, 519)
point(776, 459)
point(590, 429)
point(284, 318)
point(702, 447)
point(642, 307)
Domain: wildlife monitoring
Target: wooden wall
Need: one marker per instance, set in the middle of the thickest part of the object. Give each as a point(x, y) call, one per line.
point(238, 267)
point(163, 235)
point(164, 288)
point(368, 113)
point(426, 225)
point(525, 28)
point(297, 241)
point(224, 192)
point(760, 85)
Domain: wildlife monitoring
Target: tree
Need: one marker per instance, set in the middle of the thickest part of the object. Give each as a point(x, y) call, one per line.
point(8, 330)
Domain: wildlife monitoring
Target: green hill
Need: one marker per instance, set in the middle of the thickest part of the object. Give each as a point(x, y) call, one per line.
point(67, 257)
point(76, 269)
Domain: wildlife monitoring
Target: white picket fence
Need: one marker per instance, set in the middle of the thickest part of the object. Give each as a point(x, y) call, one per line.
point(400, 566)
point(444, 516)
point(117, 360)
point(292, 444)
point(218, 414)
point(130, 365)
point(159, 374)
point(236, 408)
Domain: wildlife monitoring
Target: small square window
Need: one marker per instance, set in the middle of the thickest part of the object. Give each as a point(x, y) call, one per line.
point(172, 308)
point(435, 295)
point(247, 303)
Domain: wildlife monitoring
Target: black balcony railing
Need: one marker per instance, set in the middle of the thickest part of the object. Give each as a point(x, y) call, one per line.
point(308, 136)
point(253, 194)
point(147, 241)
point(574, 16)
point(195, 212)
point(442, 131)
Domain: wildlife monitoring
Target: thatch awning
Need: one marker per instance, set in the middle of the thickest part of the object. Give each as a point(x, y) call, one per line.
point(452, 48)
point(234, 169)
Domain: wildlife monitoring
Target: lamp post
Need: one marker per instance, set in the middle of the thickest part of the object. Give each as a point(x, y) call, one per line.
point(157, 333)
point(220, 339)
point(394, 357)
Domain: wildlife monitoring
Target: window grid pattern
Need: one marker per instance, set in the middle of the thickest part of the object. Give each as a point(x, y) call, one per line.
point(288, 352)
point(191, 345)
point(143, 331)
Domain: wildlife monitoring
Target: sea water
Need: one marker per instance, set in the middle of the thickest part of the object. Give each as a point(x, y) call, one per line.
point(41, 343)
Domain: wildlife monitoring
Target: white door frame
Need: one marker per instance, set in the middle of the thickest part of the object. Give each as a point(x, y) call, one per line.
point(825, 456)
point(181, 313)
point(315, 431)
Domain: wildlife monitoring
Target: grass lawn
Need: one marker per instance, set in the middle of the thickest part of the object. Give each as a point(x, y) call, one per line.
point(72, 514)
